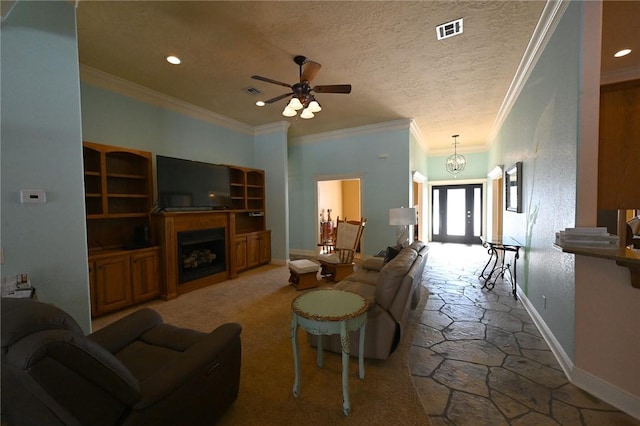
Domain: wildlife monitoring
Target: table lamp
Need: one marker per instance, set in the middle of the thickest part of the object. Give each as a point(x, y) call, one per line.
point(403, 217)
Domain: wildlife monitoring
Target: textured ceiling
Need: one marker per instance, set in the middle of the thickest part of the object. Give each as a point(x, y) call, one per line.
point(387, 51)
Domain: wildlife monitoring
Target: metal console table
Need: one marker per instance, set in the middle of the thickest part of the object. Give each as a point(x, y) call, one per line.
point(498, 247)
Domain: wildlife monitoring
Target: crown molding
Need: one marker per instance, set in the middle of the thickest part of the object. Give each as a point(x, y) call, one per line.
point(415, 131)
point(549, 20)
point(400, 124)
point(277, 127)
point(448, 151)
point(124, 87)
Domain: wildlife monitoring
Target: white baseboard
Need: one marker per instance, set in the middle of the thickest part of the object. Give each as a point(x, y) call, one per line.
point(563, 359)
point(305, 253)
point(611, 394)
point(607, 392)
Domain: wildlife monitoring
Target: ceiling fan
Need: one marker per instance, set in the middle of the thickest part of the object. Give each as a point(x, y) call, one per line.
point(301, 96)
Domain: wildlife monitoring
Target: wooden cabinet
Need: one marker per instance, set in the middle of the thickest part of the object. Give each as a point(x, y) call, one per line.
point(241, 253)
point(112, 284)
point(265, 247)
point(258, 249)
point(145, 275)
point(123, 278)
point(252, 249)
point(619, 146)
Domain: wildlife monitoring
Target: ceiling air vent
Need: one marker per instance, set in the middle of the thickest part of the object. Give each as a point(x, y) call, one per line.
point(449, 29)
point(252, 91)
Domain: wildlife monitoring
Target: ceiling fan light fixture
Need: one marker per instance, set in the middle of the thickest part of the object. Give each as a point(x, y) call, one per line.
point(300, 95)
point(260, 103)
point(306, 114)
point(314, 106)
point(289, 112)
point(295, 104)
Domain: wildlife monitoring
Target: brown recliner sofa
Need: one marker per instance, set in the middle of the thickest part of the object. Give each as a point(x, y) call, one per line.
point(136, 371)
point(392, 290)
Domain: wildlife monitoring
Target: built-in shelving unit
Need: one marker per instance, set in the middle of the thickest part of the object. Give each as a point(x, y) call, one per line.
point(247, 189)
point(123, 262)
point(248, 242)
point(118, 194)
point(248, 199)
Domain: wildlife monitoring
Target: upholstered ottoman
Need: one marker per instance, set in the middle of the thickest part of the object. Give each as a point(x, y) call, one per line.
point(303, 274)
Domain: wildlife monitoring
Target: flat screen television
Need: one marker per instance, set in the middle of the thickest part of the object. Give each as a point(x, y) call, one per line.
point(192, 185)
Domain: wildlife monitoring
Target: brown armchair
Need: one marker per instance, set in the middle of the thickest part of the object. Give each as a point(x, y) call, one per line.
point(136, 371)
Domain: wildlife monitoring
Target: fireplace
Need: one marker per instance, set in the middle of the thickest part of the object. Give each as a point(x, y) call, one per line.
point(201, 253)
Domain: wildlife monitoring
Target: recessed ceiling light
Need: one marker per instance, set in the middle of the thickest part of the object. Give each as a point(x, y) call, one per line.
point(173, 60)
point(623, 52)
point(260, 103)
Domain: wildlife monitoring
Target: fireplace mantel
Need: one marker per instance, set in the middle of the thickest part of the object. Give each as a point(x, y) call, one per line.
point(167, 226)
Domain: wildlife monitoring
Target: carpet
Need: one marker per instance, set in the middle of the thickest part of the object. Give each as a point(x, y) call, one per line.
point(260, 300)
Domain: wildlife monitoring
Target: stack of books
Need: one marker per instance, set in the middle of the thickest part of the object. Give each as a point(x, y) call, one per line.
point(587, 237)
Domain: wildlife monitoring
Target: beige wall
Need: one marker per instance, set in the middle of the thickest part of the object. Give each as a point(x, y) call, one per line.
point(607, 326)
point(330, 197)
point(351, 199)
point(341, 196)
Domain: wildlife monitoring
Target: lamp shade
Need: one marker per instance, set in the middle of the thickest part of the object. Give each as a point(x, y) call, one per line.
point(402, 216)
point(295, 104)
point(289, 112)
point(314, 106)
point(306, 114)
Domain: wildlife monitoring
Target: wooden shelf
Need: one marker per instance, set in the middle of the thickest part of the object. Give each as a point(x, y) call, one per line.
point(625, 257)
point(247, 188)
point(118, 193)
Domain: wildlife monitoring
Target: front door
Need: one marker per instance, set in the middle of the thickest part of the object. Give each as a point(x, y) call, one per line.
point(457, 213)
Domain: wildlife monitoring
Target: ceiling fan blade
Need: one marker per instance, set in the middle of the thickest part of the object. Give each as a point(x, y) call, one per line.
point(277, 98)
point(333, 88)
point(310, 70)
point(268, 80)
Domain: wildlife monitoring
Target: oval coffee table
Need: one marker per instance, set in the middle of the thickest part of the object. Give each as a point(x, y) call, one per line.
point(325, 312)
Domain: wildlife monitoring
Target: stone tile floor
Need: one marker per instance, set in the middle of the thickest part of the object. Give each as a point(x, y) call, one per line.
point(478, 359)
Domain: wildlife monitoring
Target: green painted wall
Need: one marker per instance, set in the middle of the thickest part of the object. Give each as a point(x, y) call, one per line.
point(271, 155)
point(114, 119)
point(542, 132)
point(476, 167)
point(385, 183)
point(42, 149)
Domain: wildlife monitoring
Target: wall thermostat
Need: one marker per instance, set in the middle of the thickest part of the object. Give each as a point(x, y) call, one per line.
point(33, 196)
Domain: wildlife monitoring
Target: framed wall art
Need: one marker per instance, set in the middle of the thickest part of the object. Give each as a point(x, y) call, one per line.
point(513, 188)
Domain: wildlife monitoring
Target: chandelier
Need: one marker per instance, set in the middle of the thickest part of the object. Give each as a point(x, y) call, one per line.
point(456, 162)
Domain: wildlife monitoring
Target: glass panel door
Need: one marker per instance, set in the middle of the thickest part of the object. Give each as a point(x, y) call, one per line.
point(457, 213)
